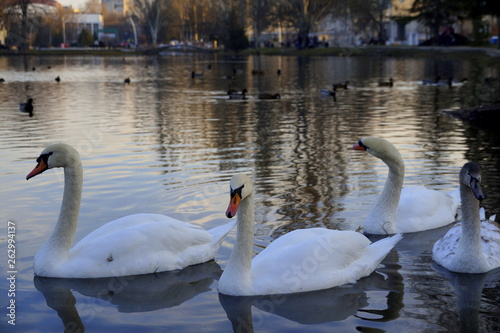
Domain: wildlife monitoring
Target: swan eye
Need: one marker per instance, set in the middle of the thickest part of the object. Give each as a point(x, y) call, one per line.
point(237, 191)
point(44, 157)
point(362, 145)
point(474, 179)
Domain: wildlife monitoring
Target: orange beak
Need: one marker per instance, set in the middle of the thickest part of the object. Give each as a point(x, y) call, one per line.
point(40, 167)
point(233, 205)
point(357, 146)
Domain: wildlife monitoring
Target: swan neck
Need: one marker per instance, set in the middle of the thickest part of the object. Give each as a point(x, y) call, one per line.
point(64, 231)
point(381, 218)
point(239, 265)
point(470, 240)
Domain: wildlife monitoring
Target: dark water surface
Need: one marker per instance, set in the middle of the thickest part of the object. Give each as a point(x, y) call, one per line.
point(169, 144)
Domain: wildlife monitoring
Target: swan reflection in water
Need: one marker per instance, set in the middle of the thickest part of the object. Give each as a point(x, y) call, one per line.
point(322, 306)
point(468, 292)
point(138, 293)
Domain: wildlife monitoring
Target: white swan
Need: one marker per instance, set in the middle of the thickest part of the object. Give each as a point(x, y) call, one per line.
point(302, 260)
point(131, 245)
point(471, 246)
point(408, 209)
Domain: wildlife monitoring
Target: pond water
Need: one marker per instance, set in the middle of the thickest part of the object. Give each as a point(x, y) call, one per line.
point(168, 143)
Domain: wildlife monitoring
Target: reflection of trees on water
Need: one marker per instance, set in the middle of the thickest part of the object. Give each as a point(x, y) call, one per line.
point(298, 148)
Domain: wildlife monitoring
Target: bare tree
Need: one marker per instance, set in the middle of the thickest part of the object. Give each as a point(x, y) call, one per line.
point(24, 20)
point(369, 16)
point(260, 18)
point(303, 15)
point(16, 11)
point(151, 13)
point(195, 19)
point(65, 18)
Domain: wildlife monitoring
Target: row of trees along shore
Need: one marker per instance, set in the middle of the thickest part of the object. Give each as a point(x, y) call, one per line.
point(224, 21)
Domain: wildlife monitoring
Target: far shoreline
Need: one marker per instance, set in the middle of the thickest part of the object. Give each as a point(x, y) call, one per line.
point(446, 52)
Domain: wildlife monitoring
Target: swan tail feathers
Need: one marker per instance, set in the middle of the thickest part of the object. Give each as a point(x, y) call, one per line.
point(220, 232)
point(382, 247)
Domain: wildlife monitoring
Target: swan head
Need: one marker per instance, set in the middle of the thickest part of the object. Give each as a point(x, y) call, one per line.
point(240, 188)
point(380, 148)
point(58, 155)
point(470, 175)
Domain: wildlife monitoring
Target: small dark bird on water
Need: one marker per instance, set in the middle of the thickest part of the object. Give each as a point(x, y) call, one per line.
point(58, 79)
point(386, 84)
point(127, 80)
point(27, 107)
point(193, 75)
point(340, 85)
point(237, 95)
point(326, 92)
point(2, 80)
point(269, 96)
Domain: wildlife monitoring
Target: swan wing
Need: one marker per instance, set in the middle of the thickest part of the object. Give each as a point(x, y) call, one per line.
point(490, 239)
point(447, 254)
point(314, 259)
point(446, 247)
point(139, 244)
point(420, 209)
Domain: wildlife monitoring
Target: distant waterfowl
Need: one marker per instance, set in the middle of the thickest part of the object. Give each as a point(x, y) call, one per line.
point(437, 82)
point(344, 85)
point(389, 83)
point(238, 95)
point(126, 81)
point(444, 83)
point(132, 245)
point(409, 209)
point(326, 93)
point(269, 96)
point(458, 83)
point(193, 74)
point(58, 79)
point(27, 107)
point(427, 82)
point(471, 246)
point(338, 257)
point(258, 72)
point(2, 80)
